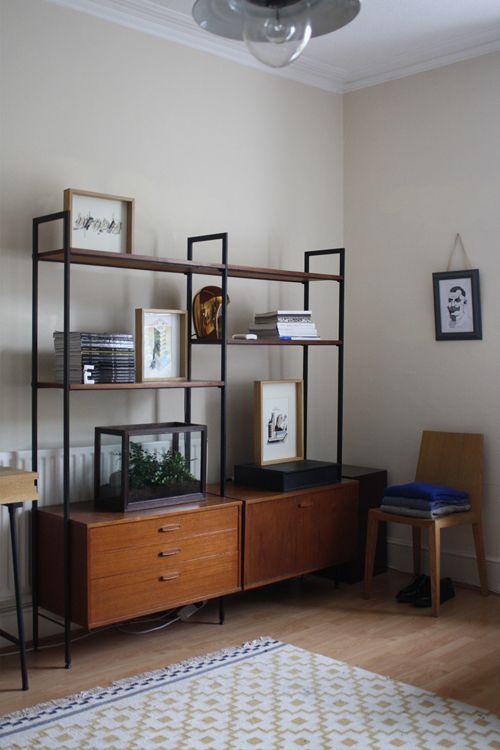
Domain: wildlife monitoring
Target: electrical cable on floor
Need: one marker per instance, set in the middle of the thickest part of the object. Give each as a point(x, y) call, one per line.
point(128, 631)
point(182, 614)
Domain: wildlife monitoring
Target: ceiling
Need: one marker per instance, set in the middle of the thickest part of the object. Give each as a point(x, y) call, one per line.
point(389, 39)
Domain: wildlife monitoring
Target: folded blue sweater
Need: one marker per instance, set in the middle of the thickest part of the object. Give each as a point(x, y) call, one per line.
point(425, 491)
point(420, 503)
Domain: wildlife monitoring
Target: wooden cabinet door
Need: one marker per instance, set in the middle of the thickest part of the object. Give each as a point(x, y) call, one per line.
point(295, 534)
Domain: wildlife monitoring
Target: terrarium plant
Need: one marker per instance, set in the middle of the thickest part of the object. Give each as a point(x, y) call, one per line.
point(147, 468)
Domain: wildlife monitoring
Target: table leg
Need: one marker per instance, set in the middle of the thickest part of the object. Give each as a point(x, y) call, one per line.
point(19, 609)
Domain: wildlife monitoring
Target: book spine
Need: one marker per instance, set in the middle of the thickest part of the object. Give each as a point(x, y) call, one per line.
point(290, 338)
point(281, 313)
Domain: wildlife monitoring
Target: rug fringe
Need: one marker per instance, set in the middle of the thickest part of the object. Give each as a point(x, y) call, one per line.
point(47, 706)
point(194, 661)
point(84, 695)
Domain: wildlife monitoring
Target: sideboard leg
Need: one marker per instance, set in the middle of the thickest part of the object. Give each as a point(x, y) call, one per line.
point(222, 615)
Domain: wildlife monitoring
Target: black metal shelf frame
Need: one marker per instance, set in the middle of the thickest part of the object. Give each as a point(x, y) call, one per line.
point(340, 252)
point(189, 269)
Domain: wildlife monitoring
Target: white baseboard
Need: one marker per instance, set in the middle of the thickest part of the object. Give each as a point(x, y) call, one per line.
point(460, 566)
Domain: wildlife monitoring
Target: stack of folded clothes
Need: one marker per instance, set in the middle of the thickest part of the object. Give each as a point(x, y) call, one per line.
point(424, 500)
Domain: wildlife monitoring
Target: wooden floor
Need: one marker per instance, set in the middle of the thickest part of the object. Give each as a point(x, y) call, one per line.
point(456, 655)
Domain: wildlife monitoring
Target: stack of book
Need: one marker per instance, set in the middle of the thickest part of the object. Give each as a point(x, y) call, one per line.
point(111, 354)
point(284, 325)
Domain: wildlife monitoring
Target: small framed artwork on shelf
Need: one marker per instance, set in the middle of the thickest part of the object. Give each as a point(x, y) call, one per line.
point(99, 221)
point(160, 345)
point(278, 421)
point(457, 305)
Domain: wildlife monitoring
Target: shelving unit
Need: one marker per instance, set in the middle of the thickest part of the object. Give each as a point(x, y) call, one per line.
point(69, 258)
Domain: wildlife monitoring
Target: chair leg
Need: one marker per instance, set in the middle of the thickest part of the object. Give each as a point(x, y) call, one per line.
point(480, 557)
point(371, 544)
point(435, 567)
point(416, 532)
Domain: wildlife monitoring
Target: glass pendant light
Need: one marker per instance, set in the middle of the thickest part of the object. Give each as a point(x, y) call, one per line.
point(276, 32)
point(276, 35)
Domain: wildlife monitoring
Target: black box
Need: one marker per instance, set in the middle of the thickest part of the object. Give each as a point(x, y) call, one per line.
point(295, 475)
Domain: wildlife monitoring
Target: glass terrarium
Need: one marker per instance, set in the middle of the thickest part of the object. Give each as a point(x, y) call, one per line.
point(148, 465)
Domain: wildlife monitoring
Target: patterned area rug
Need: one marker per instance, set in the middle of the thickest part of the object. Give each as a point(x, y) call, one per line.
point(264, 695)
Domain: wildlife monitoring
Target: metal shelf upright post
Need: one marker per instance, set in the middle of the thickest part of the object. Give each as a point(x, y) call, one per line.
point(340, 358)
point(63, 216)
point(222, 238)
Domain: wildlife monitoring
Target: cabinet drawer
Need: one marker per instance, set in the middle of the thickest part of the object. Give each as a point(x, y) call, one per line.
point(121, 597)
point(170, 528)
point(166, 553)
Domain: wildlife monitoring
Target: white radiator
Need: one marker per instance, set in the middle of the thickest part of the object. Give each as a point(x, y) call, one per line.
point(50, 470)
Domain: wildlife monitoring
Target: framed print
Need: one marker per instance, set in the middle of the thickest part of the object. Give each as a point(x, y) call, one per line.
point(278, 421)
point(99, 222)
point(457, 305)
point(160, 345)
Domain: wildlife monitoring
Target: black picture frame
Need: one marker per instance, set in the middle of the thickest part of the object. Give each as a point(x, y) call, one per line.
point(457, 305)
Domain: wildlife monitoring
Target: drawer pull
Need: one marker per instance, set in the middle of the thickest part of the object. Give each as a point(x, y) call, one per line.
point(170, 527)
point(169, 552)
point(306, 504)
point(169, 577)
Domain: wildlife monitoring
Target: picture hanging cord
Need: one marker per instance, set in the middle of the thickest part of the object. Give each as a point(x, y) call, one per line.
point(459, 243)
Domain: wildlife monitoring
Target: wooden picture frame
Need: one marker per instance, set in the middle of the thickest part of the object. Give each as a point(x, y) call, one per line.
point(457, 305)
point(99, 221)
point(278, 421)
point(160, 345)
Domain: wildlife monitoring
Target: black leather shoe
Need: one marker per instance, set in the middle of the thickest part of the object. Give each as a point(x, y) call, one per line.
point(418, 587)
point(446, 592)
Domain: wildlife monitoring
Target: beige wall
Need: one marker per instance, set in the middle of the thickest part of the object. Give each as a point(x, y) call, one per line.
point(204, 145)
point(422, 162)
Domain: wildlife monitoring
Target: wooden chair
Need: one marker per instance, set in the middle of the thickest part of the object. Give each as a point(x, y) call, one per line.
point(449, 458)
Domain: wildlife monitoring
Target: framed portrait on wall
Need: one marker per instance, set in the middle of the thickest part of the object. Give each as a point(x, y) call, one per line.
point(278, 421)
point(160, 345)
point(457, 305)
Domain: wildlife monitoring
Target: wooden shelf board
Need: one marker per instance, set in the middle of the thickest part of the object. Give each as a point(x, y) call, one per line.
point(135, 386)
point(172, 265)
point(296, 342)
point(264, 342)
point(275, 274)
point(132, 261)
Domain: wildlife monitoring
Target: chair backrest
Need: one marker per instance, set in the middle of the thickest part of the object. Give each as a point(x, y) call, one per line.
point(454, 459)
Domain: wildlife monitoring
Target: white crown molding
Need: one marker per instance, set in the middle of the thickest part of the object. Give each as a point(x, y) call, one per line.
point(153, 18)
point(149, 17)
point(427, 57)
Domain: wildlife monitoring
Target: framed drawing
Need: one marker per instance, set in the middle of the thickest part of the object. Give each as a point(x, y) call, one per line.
point(99, 222)
point(160, 345)
point(278, 421)
point(457, 305)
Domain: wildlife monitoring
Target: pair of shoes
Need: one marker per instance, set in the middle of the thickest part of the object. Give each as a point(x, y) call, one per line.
point(446, 592)
point(421, 585)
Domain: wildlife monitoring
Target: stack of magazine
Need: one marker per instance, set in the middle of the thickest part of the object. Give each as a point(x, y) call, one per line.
point(284, 325)
point(111, 354)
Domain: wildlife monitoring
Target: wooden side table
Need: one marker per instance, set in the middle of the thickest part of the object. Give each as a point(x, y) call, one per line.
point(17, 487)
point(371, 483)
